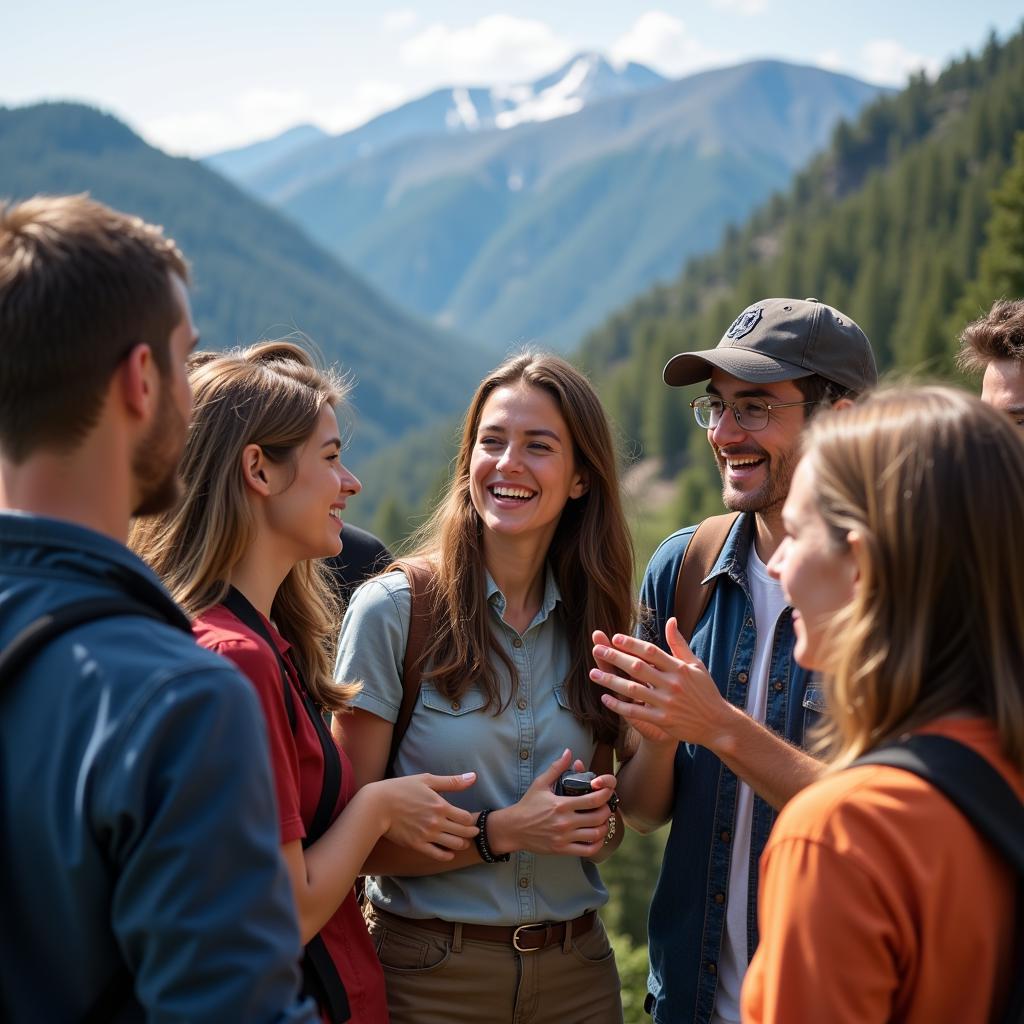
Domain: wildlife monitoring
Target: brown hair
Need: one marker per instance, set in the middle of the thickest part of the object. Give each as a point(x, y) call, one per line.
point(999, 334)
point(932, 480)
point(80, 286)
point(271, 395)
point(591, 553)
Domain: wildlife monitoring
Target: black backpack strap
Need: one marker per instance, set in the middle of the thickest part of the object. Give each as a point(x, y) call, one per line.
point(320, 976)
point(37, 634)
point(988, 802)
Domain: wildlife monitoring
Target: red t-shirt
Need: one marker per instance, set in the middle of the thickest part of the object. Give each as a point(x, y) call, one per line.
point(298, 765)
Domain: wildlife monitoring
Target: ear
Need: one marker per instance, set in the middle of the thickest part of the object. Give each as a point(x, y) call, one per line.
point(843, 403)
point(580, 485)
point(138, 381)
point(254, 469)
point(858, 552)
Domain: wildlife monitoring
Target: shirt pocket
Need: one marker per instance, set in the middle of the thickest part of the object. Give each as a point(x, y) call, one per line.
point(814, 709)
point(465, 704)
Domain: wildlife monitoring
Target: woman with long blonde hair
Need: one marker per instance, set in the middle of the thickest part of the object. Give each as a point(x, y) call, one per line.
point(527, 554)
point(264, 489)
point(904, 562)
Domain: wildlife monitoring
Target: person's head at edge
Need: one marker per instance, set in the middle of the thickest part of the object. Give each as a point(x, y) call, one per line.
point(572, 517)
point(779, 361)
point(264, 490)
point(95, 328)
point(993, 345)
point(903, 559)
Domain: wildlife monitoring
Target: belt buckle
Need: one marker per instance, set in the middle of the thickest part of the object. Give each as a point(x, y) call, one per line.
point(515, 937)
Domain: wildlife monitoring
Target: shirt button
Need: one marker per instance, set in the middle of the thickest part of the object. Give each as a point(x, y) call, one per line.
point(524, 755)
point(750, 622)
point(743, 677)
point(719, 898)
point(456, 705)
point(712, 968)
point(726, 835)
point(524, 883)
point(777, 686)
point(521, 704)
point(517, 642)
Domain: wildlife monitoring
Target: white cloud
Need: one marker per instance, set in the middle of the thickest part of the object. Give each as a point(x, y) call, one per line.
point(662, 41)
point(369, 98)
point(401, 20)
point(246, 117)
point(889, 62)
point(262, 113)
point(497, 47)
point(830, 60)
point(746, 7)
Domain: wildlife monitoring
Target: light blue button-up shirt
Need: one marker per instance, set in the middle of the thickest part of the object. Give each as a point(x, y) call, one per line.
point(507, 751)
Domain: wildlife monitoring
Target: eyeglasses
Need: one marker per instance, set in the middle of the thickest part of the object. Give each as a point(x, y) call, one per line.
point(750, 413)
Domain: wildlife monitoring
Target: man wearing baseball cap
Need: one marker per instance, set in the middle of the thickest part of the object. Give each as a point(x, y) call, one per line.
point(725, 752)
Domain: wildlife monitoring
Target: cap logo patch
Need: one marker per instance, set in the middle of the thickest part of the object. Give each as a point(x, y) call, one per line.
point(745, 323)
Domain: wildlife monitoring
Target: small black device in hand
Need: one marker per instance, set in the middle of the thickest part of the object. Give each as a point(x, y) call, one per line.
point(578, 783)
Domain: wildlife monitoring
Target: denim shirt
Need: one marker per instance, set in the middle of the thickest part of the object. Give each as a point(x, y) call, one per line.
point(687, 917)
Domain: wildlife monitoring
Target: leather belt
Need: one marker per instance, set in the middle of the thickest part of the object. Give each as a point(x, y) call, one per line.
point(526, 938)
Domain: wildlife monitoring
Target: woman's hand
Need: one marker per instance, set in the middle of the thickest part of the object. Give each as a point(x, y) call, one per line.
point(418, 817)
point(542, 822)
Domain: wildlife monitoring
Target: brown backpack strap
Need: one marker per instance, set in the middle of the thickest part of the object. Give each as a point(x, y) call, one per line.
point(421, 579)
point(692, 595)
point(603, 761)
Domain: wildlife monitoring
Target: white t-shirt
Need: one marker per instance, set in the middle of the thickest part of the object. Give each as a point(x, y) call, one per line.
point(769, 603)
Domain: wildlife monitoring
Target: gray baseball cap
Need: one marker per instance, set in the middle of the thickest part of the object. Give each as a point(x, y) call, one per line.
point(782, 339)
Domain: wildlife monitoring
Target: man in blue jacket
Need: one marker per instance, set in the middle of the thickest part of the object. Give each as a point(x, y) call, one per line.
point(719, 749)
point(141, 874)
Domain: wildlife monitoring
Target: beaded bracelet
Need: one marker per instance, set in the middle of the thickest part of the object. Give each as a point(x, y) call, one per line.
point(482, 846)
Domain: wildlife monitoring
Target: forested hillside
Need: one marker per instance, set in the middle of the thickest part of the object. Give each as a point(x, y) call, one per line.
point(887, 225)
point(256, 274)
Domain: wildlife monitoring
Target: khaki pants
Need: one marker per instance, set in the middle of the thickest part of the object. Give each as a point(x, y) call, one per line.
point(438, 979)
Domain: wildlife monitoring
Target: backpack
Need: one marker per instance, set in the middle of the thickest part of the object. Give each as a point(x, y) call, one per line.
point(692, 594)
point(986, 800)
point(118, 994)
point(421, 578)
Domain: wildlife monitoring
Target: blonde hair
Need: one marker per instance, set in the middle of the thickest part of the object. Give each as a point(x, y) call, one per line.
point(932, 481)
point(270, 395)
point(591, 553)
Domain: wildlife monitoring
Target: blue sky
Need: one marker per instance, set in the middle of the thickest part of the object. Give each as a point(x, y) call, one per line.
point(194, 77)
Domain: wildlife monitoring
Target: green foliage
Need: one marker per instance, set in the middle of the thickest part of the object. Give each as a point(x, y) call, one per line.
point(632, 963)
point(1002, 260)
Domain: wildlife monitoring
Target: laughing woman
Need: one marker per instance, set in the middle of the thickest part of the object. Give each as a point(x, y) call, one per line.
point(904, 562)
point(528, 553)
point(264, 489)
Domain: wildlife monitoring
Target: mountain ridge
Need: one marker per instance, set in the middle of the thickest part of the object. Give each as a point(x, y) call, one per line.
point(255, 273)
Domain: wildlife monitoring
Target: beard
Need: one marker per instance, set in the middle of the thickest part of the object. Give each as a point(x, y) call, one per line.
point(155, 461)
point(771, 494)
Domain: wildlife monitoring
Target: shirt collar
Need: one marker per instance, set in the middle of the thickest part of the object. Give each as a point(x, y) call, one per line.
point(552, 596)
point(732, 561)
